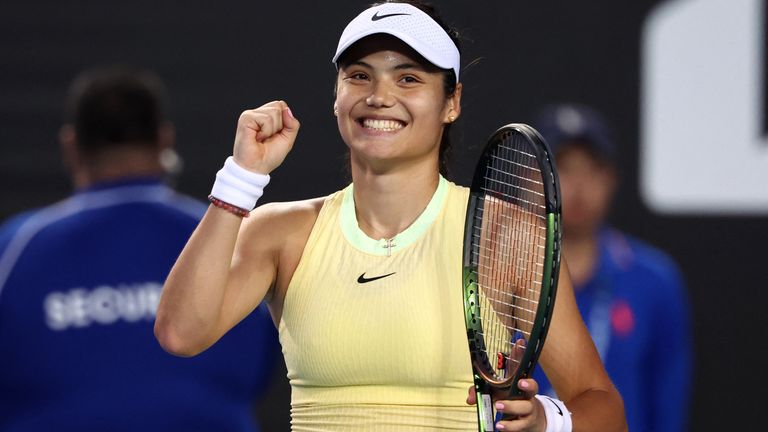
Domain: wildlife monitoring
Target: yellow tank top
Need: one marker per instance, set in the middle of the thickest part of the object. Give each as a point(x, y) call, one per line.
point(372, 330)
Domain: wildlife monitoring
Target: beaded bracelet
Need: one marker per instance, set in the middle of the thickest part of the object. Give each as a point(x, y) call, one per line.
point(228, 207)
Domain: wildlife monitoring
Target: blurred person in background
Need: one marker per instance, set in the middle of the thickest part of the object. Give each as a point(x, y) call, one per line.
point(80, 282)
point(630, 294)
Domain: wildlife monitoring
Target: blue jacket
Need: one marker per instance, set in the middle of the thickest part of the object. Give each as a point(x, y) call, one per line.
point(79, 286)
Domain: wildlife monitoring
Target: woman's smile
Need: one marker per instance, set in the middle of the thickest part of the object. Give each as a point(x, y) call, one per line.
point(377, 125)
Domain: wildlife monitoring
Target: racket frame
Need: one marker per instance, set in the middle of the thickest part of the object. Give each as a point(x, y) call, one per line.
point(484, 382)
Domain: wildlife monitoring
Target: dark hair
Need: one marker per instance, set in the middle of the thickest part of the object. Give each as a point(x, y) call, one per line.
point(449, 76)
point(114, 106)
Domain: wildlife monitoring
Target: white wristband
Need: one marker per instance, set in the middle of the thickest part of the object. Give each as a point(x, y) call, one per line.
point(237, 186)
point(558, 416)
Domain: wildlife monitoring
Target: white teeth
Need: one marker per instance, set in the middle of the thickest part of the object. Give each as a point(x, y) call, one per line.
point(382, 125)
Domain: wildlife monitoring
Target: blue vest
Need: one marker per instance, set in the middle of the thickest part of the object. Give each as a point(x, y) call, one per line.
point(79, 285)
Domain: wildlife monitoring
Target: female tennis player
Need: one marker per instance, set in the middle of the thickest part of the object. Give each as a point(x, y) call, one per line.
point(364, 284)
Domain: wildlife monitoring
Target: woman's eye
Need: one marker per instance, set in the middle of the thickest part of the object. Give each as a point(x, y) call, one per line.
point(409, 79)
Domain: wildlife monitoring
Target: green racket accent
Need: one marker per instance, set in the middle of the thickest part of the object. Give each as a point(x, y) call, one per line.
point(471, 304)
point(474, 331)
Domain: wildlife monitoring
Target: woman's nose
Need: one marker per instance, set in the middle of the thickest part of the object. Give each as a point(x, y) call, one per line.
point(380, 96)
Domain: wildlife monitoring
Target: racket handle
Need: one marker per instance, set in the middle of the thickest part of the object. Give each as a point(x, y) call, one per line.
point(514, 393)
point(485, 413)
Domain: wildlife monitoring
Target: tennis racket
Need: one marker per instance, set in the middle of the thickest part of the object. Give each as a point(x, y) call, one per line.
point(511, 261)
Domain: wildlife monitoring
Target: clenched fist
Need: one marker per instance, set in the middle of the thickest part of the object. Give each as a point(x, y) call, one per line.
point(264, 137)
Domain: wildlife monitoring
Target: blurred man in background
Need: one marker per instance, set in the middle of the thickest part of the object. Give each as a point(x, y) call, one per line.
point(630, 294)
point(80, 281)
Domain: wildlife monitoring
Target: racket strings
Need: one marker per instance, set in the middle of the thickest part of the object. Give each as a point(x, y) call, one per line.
point(518, 319)
point(523, 180)
point(522, 253)
point(510, 237)
point(508, 219)
point(515, 198)
point(534, 188)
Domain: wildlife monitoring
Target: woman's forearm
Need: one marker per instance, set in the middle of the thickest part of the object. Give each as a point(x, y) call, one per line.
point(189, 311)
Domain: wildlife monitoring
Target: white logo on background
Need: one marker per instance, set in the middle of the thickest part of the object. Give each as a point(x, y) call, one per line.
point(105, 305)
point(703, 149)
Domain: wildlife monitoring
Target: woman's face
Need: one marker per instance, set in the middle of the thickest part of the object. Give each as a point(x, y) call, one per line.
point(391, 104)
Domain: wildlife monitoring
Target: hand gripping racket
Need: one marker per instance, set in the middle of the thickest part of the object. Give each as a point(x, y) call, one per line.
point(511, 261)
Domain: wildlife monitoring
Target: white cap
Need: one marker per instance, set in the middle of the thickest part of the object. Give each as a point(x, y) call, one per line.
point(409, 24)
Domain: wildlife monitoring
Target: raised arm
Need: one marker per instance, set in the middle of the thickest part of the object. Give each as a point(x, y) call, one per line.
point(210, 288)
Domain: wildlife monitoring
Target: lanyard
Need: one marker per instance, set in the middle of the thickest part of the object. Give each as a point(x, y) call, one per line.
point(599, 321)
point(617, 255)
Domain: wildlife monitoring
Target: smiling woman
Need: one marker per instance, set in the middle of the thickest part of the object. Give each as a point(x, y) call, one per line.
point(391, 104)
point(431, 38)
point(365, 284)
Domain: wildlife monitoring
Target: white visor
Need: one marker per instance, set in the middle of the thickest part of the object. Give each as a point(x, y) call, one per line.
point(410, 25)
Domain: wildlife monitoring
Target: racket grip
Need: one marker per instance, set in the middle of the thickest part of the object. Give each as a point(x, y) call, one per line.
point(514, 393)
point(485, 414)
point(514, 390)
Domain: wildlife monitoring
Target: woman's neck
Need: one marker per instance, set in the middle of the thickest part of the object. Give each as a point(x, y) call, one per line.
point(388, 203)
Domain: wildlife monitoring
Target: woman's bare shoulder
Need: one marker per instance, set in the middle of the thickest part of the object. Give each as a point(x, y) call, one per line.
point(281, 221)
point(289, 213)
